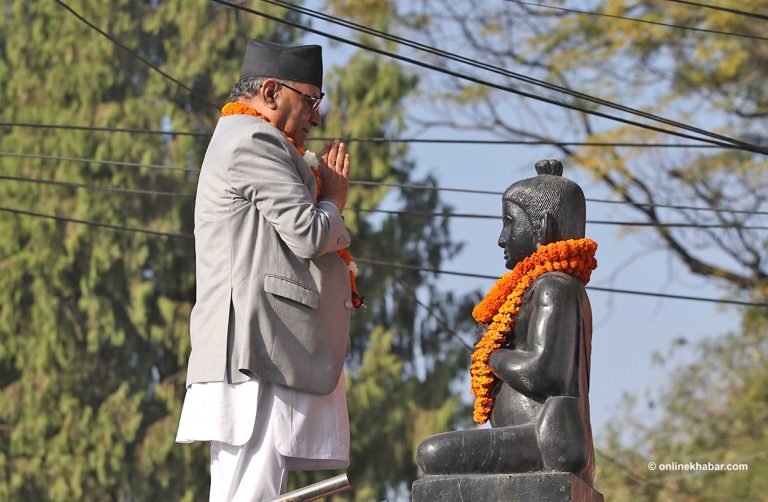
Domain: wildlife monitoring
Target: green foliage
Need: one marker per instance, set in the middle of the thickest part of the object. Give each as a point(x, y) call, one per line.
point(714, 409)
point(94, 323)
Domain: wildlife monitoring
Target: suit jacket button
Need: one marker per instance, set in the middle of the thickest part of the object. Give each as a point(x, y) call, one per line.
point(348, 304)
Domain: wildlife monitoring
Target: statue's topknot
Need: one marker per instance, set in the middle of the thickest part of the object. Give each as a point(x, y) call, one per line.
point(553, 167)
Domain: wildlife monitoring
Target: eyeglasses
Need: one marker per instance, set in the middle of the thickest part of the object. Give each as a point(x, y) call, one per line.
point(312, 101)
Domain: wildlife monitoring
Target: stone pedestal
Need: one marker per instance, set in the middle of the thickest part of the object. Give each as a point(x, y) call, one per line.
point(527, 487)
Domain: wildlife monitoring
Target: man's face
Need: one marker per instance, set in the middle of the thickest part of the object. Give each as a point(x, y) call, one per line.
point(516, 237)
point(295, 115)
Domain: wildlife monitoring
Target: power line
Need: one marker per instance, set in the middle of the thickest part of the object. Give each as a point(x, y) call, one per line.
point(96, 161)
point(595, 288)
point(85, 186)
point(446, 214)
point(369, 139)
point(486, 66)
point(657, 23)
point(368, 183)
point(438, 141)
point(742, 145)
point(104, 129)
point(588, 199)
point(677, 225)
point(723, 9)
point(679, 206)
point(97, 224)
point(444, 325)
point(134, 53)
point(376, 262)
point(495, 69)
point(428, 214)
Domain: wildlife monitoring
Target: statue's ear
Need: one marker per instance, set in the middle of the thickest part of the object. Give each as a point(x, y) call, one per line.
point(548, 233)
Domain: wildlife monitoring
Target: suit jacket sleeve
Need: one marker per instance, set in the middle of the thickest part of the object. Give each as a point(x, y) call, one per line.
point(265, 173)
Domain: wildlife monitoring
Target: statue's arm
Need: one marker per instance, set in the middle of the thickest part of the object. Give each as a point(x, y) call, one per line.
point(546, 367)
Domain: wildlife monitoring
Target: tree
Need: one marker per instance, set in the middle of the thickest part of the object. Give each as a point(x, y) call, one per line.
point(94, 322)
point(714, 411)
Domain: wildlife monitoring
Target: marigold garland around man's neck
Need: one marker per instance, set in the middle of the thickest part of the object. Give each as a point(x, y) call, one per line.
point(233, 108)
point(502, 304)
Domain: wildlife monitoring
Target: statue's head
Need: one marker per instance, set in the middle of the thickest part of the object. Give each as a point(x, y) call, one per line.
point(540, 210)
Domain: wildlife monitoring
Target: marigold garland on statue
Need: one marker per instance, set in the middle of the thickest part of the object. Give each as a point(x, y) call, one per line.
point(233, 108)
point(575, 257)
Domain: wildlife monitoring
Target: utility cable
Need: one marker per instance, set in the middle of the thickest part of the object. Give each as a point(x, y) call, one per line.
point(444, 325)
point(111, 226)
point(634, 19)
point(104, 129)
point(590, 222)
point(595, 288)
point(378, 262)
point(382, 183)
point(96, 161)
point(440, 141)
point(472, 62)
point(724, 9)
point(135, 54)
point(448, 55)
point(588, 199)
point(85, 186)
point(426, 214)
point(742, 145)
point(363, 139)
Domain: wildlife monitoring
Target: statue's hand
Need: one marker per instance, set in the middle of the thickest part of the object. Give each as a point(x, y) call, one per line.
point(496, 361)
point(506, 365)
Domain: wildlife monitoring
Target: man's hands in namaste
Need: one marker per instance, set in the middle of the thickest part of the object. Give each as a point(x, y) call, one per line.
point(334, 174)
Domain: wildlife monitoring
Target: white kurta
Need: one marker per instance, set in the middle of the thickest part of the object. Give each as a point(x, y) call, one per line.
point(311, 429)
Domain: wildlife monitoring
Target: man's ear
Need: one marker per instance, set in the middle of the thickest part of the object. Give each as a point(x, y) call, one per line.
point(268, 90)
point(548, 232)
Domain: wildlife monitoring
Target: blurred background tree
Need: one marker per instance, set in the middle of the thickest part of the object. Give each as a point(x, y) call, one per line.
point(714, 410)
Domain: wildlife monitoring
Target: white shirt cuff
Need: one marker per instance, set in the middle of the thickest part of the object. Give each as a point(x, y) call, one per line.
point(327, 203)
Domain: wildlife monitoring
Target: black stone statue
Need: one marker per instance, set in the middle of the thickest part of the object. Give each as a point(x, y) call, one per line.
point(540, 417)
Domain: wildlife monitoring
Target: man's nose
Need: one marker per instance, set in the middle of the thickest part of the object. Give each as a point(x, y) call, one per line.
point(502, 240)
point(315, 118)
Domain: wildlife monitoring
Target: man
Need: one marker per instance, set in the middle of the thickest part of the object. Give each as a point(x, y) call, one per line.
point(270, 328)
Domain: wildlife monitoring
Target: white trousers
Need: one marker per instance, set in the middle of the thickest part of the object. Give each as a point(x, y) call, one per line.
point(253, 472)
point(259, 431)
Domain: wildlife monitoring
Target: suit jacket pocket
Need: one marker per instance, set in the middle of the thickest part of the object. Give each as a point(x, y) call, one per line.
point(289, 288)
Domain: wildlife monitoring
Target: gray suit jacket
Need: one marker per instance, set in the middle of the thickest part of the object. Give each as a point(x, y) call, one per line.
point(273, 297)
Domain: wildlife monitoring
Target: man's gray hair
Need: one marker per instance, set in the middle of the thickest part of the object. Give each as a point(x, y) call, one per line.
point(250, 86)
point(246, 88)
